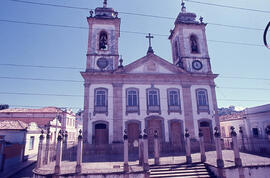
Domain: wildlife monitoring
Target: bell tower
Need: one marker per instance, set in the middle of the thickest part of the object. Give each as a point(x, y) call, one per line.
point(188, 42)
point(104, 31)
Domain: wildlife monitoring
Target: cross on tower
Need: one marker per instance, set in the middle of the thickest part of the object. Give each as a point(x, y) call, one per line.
point(105, 3)
point(183, 6)
point(150, 50)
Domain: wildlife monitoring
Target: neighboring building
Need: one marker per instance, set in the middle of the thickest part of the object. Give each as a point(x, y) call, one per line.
point(253, 123)
point(52, 117)
point(18, 141)
point(150, 93)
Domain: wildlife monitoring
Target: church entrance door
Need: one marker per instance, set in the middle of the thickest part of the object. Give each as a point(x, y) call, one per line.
point(176, 136)
point(101, 134)
point(133, 129)
point(205, 127)
point(152, 125)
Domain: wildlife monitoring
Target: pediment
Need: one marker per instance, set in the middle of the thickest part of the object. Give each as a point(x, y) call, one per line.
point(152, 64)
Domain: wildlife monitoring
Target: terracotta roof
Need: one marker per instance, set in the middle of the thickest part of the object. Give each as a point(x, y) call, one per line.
point(234, 116)
point(12, 125)
point(45, 109)
point(41, 122)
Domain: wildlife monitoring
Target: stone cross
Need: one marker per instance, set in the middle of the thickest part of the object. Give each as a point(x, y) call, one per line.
point(149, 36)
point(183, 6)
point(150, 49)
point(105, 3)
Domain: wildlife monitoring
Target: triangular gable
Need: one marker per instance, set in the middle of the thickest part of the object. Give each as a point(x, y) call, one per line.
point(152, 63)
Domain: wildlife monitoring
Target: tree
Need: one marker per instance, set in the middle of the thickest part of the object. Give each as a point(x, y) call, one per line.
point(4, 106)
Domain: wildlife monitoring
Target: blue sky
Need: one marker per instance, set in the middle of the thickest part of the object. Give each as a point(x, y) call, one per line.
point(25, 44)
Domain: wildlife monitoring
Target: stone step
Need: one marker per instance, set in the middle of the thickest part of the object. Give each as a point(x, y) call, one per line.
point(180, 170)
point(181, 167)
point(177, 165)
point(182, 175)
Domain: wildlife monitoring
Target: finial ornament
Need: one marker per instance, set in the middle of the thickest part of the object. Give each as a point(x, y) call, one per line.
point(121, 62)
point(80, 134)
point(201, 19)
point(217, 133)
point(183, 7)
point(150, 49)
point(200, 133)
point(105, 4)
point(91, 13)
point(125, 134)
point(145, 134)
point(233, 133)
point(187, 133)
point(156, 134)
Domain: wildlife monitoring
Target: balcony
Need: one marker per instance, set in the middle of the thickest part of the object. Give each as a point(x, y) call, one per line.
point(203, 108)
point(176, 109)
point(153, 109)
point(132, 109)
point(101, 110)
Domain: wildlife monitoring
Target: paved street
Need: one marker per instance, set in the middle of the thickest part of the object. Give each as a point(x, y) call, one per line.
point(27, 172)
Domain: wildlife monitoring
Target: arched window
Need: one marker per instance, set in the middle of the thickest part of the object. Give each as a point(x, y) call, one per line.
point(101, 101)
point(132, 100)
point(194, 44)
point(173, 96)
point(153, 100)
point(176, 50)
point(202, 100)
point(103, 41)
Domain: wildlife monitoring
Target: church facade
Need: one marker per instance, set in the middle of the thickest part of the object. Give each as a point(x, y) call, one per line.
point(150, 93)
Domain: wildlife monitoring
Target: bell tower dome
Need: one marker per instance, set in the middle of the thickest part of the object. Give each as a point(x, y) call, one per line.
point(189, 44)
point(104, 31)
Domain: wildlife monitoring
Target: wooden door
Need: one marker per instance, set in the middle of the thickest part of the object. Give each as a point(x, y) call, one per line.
point(152, 126)
point(101, 134)
point(176, 135)
point(133, 136)
point(206, 134)
point(133, 132)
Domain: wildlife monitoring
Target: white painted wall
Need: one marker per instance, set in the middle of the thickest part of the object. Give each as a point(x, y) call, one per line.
point(143, 106)
point(100, 117)
point(202, 115)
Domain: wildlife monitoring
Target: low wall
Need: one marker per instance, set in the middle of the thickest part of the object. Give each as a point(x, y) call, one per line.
point(116, 175)
point(249, 171)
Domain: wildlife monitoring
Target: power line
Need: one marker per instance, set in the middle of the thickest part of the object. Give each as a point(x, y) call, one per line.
point(41, 66)
point(52, 5)
point(130, 13)
point(39, 94)
point(244, 78)
point(41, 79)
point(80, 96)
point(139, 33)
point(76, 107)
point(227, 6)
point(78, 81)
point(241, 88)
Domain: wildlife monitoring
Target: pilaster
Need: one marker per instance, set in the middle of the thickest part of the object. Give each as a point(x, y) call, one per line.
point(86, 112)
point(215, 106)
point(187, 100)
point(117, 114)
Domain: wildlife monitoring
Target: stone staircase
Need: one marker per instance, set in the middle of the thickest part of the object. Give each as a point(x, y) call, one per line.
point(181, 170)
